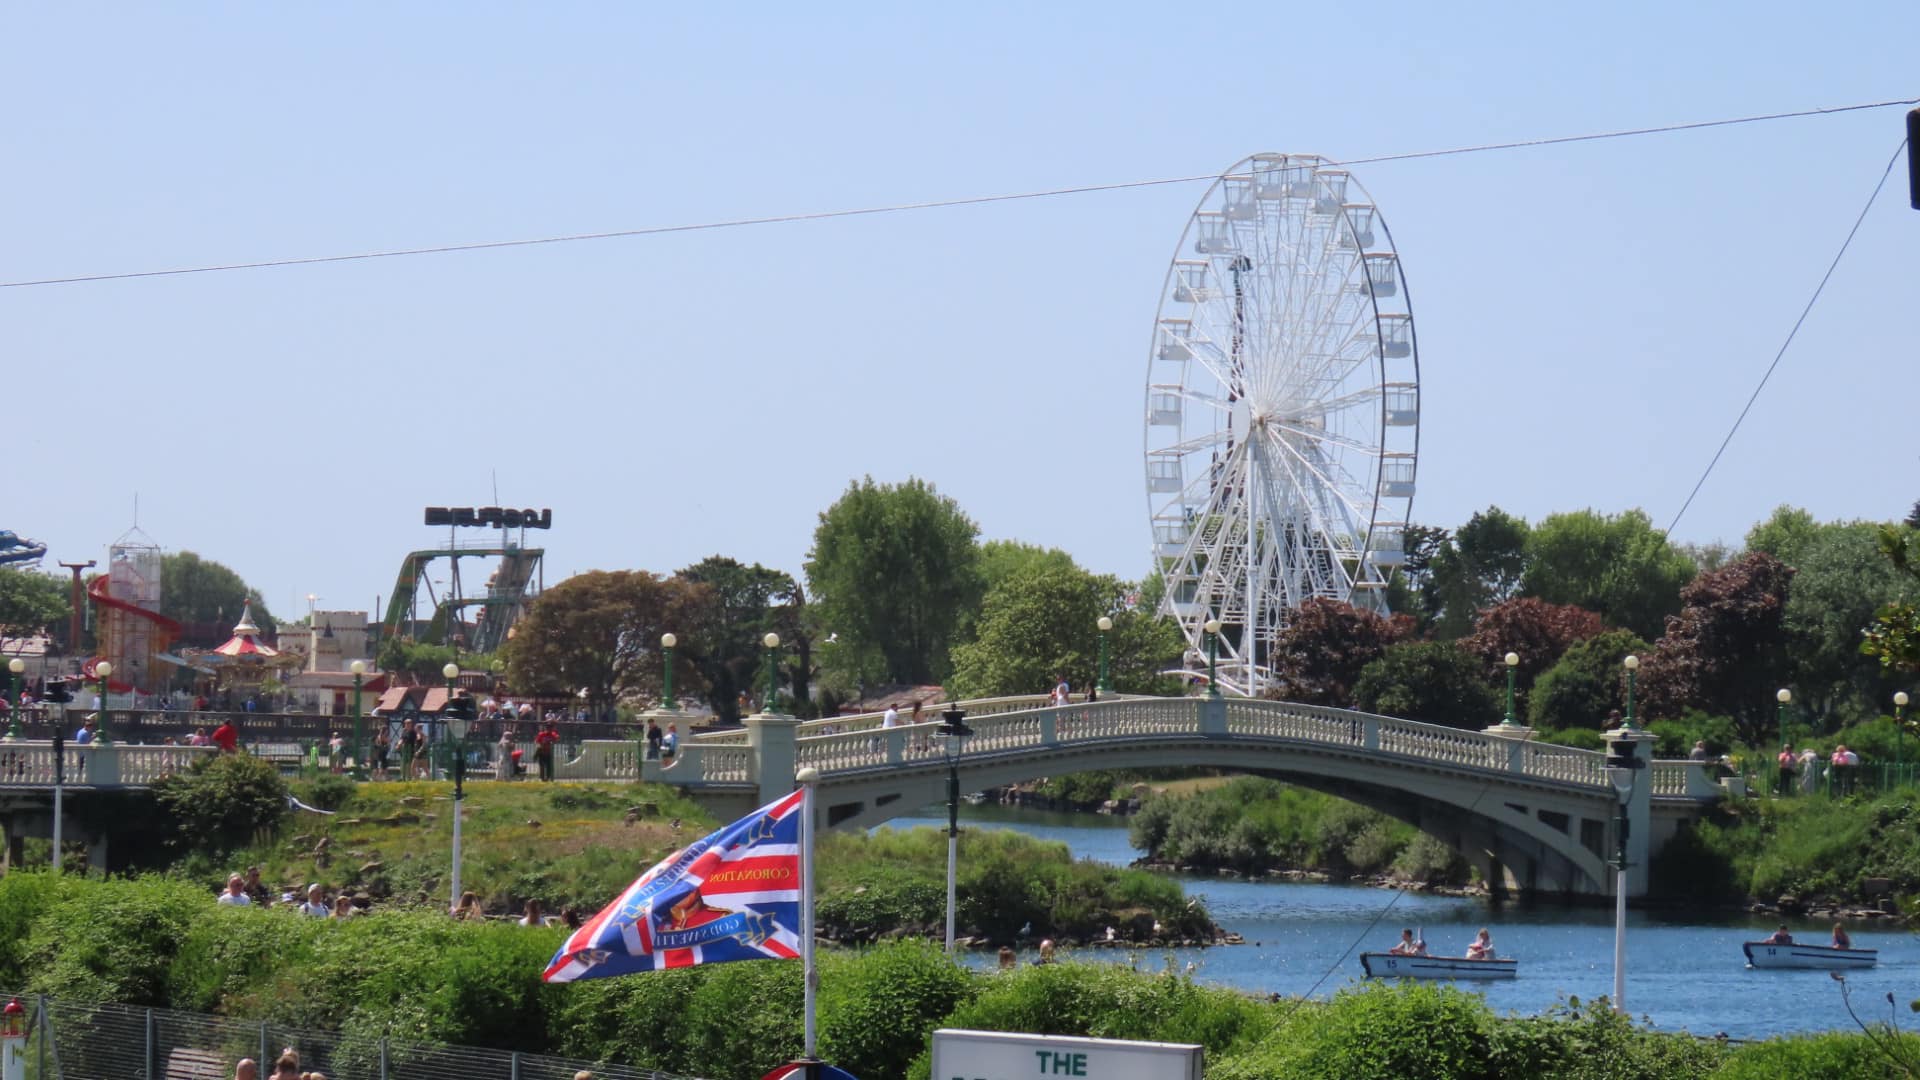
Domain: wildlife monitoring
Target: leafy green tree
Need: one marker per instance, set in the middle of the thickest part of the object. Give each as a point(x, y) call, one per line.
point(1893, 638)
point(31, 602)
point(197, 590)
point(1586, 683)
point(1726, 651)
point(1840, 581)
point(1042, 624)
point(1785, 535)
point(221, 802)
point(1411, 590)
point(1319, 655)
point(1617, 565)
point(1482, 565)
point(893, 570)
point(743, 604)
point(599, 632)
point(1434, 682)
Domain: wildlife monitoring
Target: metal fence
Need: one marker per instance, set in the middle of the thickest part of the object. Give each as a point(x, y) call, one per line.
point(1826, 780)
point(73, 1041)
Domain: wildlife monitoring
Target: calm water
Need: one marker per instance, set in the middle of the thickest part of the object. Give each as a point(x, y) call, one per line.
point(1683, 972)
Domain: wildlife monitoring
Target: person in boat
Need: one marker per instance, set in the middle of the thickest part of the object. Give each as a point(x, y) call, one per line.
point(1407, 946)
point(1482, 947)
point(1840, 938)
point(1780, 936)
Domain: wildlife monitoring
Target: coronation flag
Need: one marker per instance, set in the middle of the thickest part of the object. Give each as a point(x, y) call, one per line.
point(733, 895)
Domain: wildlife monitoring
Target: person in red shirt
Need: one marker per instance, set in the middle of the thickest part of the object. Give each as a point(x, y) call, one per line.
point(226, 737)
point(543, 748)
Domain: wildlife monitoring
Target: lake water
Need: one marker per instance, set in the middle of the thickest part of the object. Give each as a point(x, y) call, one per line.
point(1684, 972)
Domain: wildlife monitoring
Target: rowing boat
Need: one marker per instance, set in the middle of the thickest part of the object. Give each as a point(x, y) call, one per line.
point(1380, 965)
point(1765, 954)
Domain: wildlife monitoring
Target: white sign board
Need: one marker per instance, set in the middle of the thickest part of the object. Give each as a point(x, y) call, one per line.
point(998, 1055)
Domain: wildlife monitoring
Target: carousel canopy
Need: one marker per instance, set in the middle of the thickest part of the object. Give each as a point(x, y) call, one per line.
point(246, 638)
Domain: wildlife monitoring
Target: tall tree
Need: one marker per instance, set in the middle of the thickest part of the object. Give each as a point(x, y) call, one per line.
point(1588, 682)
point(1434, 682)
point(1042, 624)
point(893, 570)
point(1617, 565)
point(742, 604)
point(1319, 656)
point(1482, 565)
point(1726, 650)
point(30, 603)
point(1785, 534)
point(1537, 632)
point(1840, 581)
point(1893, 638)
point(599, 632)
point(197, 590)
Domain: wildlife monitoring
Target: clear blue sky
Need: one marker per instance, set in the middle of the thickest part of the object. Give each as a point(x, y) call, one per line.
point(1591, 317)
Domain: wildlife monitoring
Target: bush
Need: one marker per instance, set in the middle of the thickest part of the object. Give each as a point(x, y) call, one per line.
point(328, 792)
point(878, 1009)
point(1833, 1056)
point(113, 940)
point(222, 802)
point(1377, 1030)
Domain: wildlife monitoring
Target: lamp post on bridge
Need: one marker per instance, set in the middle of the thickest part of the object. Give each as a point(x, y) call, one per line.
point(14, 667)
point(1213, 657)
point(1623, 771)
point(1106, 628)
point(1513, 664)
point(667, 642)
point(1899, 728)
point(772, 642)
point(1632, 664)
point(953, 733)
point(103, 669)
point(460, 714)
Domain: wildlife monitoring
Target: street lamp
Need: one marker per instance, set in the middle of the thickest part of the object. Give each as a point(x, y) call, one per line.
point(460, 715)
point(450, 671)
point(1513, 664)
point(1105, 683)
point(1213, 657)
point(359, 669)
point(667, 642)
point(772, 642)
point(1899, 729)
point(103, 669)
point(1632, 664)
point(953, 733)
point(18, 665)
point(57, 697)
point(1784, 696)
point(1623, 772)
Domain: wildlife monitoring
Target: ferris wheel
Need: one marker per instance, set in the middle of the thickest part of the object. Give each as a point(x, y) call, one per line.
point(1283, 409)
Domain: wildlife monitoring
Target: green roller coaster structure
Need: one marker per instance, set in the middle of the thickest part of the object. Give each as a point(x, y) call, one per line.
point(507, 593)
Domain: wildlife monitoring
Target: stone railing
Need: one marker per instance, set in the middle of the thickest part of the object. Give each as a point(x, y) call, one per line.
point(31, 764)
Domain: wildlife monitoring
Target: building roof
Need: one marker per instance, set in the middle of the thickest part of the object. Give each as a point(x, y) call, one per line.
point(246, 638)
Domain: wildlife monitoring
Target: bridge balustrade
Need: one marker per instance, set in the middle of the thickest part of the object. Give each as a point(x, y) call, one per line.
point(1567, 763)
point(1307, 723)
point(1450, 745)
point(30, 764)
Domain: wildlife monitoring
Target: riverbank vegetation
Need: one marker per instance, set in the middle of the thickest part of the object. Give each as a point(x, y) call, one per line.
point(418, 976)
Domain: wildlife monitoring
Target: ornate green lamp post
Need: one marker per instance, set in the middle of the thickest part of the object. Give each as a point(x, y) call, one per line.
point(14, 667)
point(772, 642)
point(1899, 726)
point(667, 642)
point(1106, 628)
point(103, 669)
point(1213, 657)
point(1632, 664)
point(450, 671)
point(1785, 697)
point(1513, 664)
point(359, 669)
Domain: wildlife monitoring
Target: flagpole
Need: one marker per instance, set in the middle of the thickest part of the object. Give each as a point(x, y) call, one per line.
point(810, 978)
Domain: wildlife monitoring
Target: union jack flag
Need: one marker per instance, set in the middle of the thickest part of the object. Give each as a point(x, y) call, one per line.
point(733, 895)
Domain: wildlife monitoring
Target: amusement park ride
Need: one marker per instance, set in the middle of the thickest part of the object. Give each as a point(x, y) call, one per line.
point(515, 580)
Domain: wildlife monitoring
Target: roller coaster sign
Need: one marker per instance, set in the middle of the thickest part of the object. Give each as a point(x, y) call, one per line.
point(489, 517)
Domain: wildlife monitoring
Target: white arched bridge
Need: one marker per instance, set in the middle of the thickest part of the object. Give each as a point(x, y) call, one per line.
point(1527, 815)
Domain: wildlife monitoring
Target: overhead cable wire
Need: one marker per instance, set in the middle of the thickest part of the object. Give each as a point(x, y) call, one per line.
point(1784, 345)
point(899, 208)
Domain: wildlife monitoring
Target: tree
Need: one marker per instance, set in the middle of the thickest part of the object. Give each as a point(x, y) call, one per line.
point(1617, 565)
point(1482, 565)
point(1725, 653)
point(1434, 682)
point(1411, 590)
point(1586, 683)
point(1042, 624)
point(1319, 655)
point(1535, 631)
point(197, 590)
point(1840, 581)
point(893, 570)
point(1893, 638)
point(1785, 534)
point(744, 603)
point(31, 602)
point(599, 632)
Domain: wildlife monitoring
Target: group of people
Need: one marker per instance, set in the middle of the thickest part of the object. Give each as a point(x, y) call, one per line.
point(1481, 948)
point(287, 1067)
point(1841, 939)
point(534, 914)
point(247, 890)
point(1843, 766)
point(1009, 959)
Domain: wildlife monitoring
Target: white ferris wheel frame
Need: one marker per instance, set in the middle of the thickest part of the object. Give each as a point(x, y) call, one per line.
point(1283, 409)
